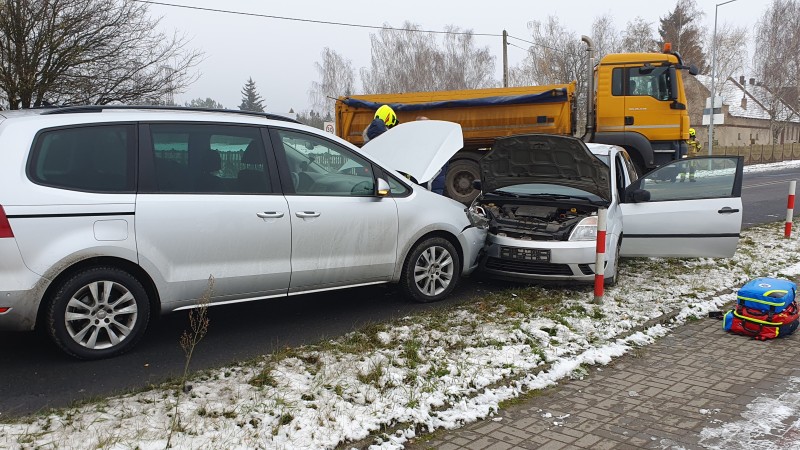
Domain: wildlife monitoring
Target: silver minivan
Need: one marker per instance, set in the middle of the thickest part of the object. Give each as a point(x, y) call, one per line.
point(111, 215)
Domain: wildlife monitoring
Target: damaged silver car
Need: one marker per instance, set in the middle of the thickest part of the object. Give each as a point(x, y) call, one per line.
point(540, 195)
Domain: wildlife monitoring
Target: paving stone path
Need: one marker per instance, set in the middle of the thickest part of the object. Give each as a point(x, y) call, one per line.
point(662, 396)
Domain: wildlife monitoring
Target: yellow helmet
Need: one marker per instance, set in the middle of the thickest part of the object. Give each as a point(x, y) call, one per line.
point(387, 115)
point(692, 132)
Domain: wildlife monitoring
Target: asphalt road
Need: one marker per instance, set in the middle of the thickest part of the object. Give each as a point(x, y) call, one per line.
point(34, 375)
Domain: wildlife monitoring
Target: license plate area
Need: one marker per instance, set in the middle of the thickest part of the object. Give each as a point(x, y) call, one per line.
point(525, 254)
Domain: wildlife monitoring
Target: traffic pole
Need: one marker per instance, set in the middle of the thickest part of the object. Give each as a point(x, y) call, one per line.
point(787, 233)
point(599, 262)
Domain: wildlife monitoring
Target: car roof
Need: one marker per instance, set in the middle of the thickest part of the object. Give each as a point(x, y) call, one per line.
point(78, 114)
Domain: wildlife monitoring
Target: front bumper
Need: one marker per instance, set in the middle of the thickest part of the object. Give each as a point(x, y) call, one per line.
point(568, 261)
point(472, 241)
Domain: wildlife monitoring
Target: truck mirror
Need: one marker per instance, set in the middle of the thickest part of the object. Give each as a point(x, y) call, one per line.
point(677, 105)
point(693, 70)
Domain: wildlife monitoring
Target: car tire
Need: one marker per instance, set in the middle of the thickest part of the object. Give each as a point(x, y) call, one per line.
point(97, 313)
point(431, 270)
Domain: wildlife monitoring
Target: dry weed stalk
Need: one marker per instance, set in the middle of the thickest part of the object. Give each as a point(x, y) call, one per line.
point(198, 327)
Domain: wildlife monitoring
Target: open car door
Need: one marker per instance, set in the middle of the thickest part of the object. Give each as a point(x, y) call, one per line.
point(663, 216)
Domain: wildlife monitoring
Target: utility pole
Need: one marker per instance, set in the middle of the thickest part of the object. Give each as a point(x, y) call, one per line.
point(505, 58)
point(714, 75)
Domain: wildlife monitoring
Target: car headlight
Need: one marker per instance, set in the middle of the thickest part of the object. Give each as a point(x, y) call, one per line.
point(477, 216)
point(586, 230)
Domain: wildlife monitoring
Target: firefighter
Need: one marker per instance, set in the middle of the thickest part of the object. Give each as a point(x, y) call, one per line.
point(694, 151)
point(385, 118)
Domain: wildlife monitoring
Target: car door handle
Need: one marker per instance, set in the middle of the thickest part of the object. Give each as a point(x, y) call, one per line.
point(727, 210)
point(628, 120)
point(306, 214)
point(270, 215)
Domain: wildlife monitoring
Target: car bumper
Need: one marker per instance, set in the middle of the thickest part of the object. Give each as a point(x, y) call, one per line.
point(472, 241)
point(568, 261)
point(19, 290)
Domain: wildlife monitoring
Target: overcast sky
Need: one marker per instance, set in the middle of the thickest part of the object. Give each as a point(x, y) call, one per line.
point(280, 54)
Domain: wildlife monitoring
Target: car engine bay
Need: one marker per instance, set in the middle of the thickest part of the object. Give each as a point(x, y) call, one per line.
point(533, 222)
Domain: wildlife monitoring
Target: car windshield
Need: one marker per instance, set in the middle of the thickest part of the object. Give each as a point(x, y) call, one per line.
point(544, 190)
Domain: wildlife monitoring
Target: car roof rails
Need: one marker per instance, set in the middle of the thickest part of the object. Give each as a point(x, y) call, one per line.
point(100, 108)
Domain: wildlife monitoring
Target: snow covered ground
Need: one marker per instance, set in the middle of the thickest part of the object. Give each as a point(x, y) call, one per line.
point(441, 369)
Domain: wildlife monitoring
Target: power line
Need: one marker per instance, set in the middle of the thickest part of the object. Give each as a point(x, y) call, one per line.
point(517, 46)
point(537, 44)
point(324, 22)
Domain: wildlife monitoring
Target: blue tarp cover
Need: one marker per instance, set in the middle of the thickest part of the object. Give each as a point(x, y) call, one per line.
point(551, 96)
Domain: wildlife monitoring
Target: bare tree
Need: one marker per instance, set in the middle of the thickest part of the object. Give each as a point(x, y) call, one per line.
point(557, 56)
point(681, 28)
point(777, 61)
point(638, 37)
point(406, 59)
point(605, 35)
point(88, 51)
point(465, 65)
point(731, 52)
point(336, 78)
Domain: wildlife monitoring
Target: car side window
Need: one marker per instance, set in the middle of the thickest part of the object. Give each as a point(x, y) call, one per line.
point(96, 158)
point(398, 189)
point(620, 170)
point(715, 177)
point(632, 173)
point(320, 167)
point(223, 159)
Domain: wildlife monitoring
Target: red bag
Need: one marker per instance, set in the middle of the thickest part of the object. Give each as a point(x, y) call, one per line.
point(760, 324)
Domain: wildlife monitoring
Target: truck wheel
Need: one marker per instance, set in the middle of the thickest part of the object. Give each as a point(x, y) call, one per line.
point(460, 175)
point(431, 270)
point(99, 312)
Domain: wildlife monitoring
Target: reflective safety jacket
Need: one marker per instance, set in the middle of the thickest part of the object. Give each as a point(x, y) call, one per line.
point(694, 148)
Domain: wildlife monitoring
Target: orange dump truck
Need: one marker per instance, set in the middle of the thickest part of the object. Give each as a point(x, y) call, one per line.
point(639, 103)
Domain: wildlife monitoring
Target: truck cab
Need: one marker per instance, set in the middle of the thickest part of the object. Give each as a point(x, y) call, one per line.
point(641, 106)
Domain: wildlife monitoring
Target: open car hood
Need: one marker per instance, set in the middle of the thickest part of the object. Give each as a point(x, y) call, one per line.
point(417, 148)
point(545, 159)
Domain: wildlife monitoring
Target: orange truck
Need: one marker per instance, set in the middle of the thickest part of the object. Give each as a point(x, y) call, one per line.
point(639, 103)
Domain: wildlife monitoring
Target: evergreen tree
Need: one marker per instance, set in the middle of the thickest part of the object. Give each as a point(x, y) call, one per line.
point(207, 103)
point(681, 27)
point(251, 99)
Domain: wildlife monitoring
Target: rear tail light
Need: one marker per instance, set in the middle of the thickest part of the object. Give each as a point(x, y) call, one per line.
point(5, 226)
point(4, 310)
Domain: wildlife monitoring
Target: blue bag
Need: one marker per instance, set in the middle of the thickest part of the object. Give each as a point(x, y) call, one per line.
point(767, 294)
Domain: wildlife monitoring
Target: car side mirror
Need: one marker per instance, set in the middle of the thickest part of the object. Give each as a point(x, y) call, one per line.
point(693, 70)
point(476, 184)
point(383, 188)
point(638, 196)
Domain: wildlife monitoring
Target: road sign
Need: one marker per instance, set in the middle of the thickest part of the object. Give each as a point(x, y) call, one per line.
point(329, 127)
point(719, 118)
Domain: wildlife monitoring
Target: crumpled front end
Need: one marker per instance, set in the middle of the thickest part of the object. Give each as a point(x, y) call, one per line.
point(529, 242)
